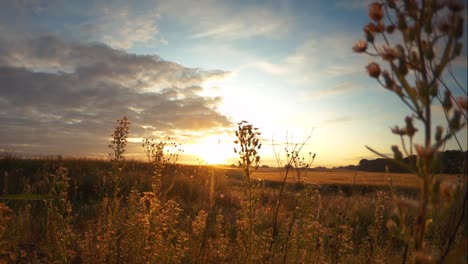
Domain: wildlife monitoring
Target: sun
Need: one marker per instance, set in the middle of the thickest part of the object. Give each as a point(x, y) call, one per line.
point(214, 151)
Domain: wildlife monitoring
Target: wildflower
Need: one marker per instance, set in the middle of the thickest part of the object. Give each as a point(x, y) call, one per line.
point(376, 11)
point(373, 69)
point(360, 46)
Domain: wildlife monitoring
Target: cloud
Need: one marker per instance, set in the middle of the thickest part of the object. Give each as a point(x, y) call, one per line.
point(340, 89)
point(118, 24)
point(121, 26)
point(58, 93)
point(340, 119)
point(246, 24)
point(317, 58)
point(224, 20)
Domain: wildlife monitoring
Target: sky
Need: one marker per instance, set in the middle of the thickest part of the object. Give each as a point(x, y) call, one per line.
point(188, 72)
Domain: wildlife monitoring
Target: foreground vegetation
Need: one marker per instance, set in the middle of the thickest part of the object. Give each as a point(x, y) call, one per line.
point(82, 211)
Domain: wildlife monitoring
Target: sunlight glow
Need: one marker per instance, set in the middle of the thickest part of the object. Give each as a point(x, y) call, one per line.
point(213, 150)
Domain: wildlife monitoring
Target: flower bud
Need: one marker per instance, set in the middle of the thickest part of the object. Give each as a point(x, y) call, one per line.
point(388, 53)
point(447, 103)
point(373, 69)
point(388, 80)
point(455, 121)
point(376, 11)
point(390, 29)
point(360, 46)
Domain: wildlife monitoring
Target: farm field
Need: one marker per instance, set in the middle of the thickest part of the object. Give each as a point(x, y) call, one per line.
point(354, 177)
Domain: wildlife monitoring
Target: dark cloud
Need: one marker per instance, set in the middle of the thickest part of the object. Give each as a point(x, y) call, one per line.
point(56, 94)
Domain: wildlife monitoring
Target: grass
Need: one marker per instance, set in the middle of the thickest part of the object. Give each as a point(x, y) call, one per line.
point(200, 216)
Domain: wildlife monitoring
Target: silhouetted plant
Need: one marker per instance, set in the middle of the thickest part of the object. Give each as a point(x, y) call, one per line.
point(162, 156)
point(248, 146)
point(296, 162)
point(429, 37)
point(119, 140)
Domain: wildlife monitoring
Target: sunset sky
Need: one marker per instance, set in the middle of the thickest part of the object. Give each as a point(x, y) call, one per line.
point(190, 70)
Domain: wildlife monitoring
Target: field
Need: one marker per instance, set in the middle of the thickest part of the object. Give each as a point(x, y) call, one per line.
point(354, 177)
point(87, 211)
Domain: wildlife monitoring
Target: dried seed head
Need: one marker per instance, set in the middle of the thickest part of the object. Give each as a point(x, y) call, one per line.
point(389, 54)
point(373, 69)
point(376, 12)
point(370, 30)
point(388, 80)
point(360, 46)
point(410, 129)
point(398, 131)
